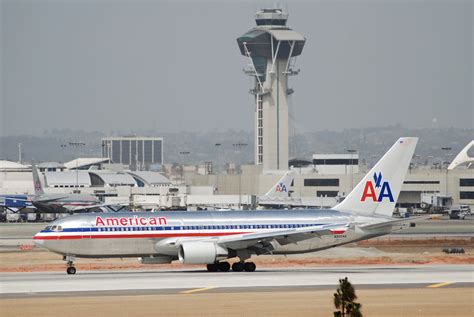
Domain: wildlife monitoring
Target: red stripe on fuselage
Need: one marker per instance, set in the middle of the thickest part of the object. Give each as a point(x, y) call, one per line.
point(140, 235)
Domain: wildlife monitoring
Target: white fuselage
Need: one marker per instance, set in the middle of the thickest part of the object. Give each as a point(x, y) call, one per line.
point(145, 234)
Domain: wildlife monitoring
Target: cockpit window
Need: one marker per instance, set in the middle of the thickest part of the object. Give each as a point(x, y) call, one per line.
point(54, 228)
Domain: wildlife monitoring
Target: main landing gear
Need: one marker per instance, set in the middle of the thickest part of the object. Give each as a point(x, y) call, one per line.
point(236, 267)
point(70, 269)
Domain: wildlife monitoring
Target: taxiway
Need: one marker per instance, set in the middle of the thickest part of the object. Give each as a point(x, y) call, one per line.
point(175, 281)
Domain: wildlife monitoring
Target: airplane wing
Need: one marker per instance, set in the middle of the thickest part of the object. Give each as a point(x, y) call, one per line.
point(77, 208)
point(264, 240)
point(391, 223)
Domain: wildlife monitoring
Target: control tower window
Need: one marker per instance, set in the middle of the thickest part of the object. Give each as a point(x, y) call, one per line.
point(280, 22)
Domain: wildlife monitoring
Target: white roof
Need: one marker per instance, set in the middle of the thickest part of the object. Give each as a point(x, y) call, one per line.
point(79, 162)
point(50, 165)
point(112, 178)
point(12, 165)
point(150, 178)
point(336, 156)
point(286, 35)
point(67, 178)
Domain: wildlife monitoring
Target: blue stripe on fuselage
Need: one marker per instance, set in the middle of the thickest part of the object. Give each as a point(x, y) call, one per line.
point(195, 227)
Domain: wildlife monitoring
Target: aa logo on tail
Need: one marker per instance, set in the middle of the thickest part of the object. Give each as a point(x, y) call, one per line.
point(37, 185)
point(377, 190)
point(281, 188)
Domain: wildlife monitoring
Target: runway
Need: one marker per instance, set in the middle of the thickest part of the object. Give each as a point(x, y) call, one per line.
point(265, 279)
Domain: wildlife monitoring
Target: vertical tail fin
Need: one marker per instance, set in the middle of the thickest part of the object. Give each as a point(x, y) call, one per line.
point(378, 191)
point(36, 180)
point(282, 187)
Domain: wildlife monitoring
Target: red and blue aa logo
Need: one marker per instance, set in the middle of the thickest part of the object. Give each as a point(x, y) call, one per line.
point(377, 190)
point(281, 188)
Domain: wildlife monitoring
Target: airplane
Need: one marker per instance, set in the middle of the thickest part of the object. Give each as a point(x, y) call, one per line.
point(210, 238)
point(278, 197)
point(61, 203)
point(279, 194)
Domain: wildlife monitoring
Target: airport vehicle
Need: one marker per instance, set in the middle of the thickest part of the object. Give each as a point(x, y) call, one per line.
point(61, 203)
point(15, 203)
point(212, 237)
point(459, 212)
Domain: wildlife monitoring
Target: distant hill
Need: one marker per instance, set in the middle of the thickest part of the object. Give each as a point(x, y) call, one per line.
point(371, 143)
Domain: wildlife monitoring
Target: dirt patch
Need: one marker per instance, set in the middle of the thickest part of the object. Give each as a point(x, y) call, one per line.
point(380, 302)
point(381, 251)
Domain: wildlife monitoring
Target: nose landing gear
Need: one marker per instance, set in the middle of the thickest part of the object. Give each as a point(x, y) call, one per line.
point(70, 269)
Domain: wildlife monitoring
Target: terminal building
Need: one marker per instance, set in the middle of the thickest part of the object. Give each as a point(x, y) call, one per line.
point(335, 175)
point(139, 153)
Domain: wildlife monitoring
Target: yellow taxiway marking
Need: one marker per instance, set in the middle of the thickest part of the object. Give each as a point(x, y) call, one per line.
point(195, 290)
point(440, 284)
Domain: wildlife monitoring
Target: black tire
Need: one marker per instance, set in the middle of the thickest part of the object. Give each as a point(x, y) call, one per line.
point(249, 267)
point(71, 270)
point(238, 267)
point(224, 266)
point(213, 267)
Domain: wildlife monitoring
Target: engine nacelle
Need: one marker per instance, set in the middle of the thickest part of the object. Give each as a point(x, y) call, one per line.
point(201, 253)
point(156, 260)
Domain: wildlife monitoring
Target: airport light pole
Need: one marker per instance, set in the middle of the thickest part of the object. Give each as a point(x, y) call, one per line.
point(76, 146)
point(448, 154)
point(63, 148)
point(19, 152)
point(217, 145)
point(238, 147)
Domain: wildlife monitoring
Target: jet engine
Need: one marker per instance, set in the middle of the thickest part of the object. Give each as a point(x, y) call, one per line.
point(201, 252)
point(155, 260)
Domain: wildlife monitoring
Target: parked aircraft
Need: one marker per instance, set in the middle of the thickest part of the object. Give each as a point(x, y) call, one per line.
point(213, 237)
point(61, 203)
point(279, 194)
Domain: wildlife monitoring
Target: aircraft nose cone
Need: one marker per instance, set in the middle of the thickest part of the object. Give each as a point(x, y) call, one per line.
point(38, 241)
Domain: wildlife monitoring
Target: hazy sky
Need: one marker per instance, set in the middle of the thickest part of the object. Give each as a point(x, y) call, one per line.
point(172, 66)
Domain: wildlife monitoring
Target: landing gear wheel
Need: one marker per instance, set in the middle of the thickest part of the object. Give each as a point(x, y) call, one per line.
point(224, 266)
point(71, 270)
point(214, 267)
point(238, 267)
point(249, 267)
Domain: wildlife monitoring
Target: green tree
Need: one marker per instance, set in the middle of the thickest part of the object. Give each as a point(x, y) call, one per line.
point(344, 300)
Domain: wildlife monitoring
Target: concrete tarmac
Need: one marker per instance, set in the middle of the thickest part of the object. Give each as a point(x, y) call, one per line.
point(284, 279)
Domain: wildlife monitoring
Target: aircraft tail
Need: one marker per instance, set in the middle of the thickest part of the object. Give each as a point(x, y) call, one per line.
point(282, 187)
point(378, 191)
point(36, 180)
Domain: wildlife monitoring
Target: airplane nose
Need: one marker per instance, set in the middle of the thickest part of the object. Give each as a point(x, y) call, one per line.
point(38, 241)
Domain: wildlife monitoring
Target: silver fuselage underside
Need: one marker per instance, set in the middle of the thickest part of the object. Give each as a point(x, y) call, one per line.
point(102, 241)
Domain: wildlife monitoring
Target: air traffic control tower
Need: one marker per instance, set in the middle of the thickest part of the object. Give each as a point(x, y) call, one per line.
point(271, 48)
